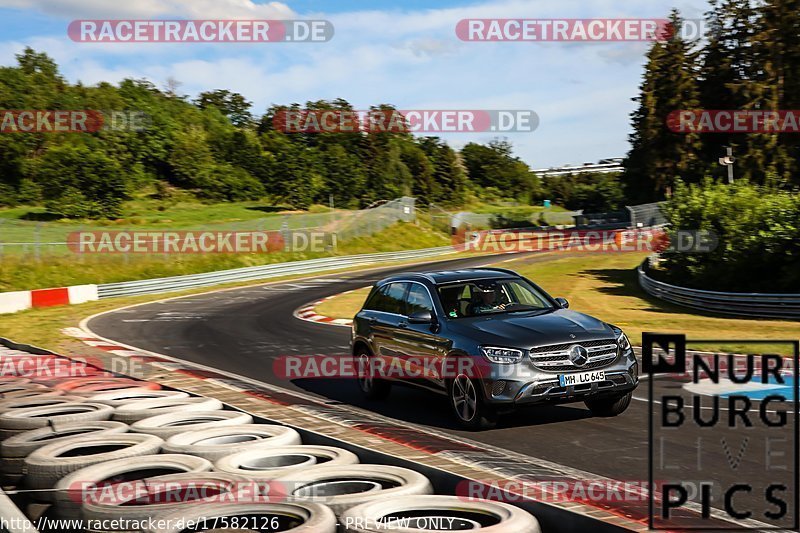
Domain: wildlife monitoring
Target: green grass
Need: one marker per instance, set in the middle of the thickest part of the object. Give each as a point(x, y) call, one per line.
point(605, 286)
point(58, 270)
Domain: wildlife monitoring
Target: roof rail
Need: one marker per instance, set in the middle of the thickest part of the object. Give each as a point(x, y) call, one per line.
point(496, 269)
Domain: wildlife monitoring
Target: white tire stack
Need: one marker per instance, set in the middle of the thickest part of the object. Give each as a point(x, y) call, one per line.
point(167, 425)
point(132, 396)
point(215, 443)
point(15, 449)
point(16, 421)
point(343, 487)
point(139, 410)
point(47, 465)
point(158, 495)
point(85, 484)
point(273, 463)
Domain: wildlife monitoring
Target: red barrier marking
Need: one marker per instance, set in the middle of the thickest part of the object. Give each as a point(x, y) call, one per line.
point(50, 297)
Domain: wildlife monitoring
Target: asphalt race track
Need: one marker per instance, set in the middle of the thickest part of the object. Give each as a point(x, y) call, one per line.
point(243, 330)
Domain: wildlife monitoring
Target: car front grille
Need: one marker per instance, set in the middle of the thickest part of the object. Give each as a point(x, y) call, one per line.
point(555, 358)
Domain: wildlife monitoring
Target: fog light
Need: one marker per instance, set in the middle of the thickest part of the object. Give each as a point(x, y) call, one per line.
point(498, 387)
point(633, 371)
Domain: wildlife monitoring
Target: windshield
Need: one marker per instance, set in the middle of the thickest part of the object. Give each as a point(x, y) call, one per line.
point(490, 297)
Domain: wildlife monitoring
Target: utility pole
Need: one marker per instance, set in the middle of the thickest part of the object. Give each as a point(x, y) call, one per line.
point(728, 161)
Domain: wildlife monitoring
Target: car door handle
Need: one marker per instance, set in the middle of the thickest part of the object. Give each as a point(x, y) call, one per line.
point(372, 320)
point(403, 325)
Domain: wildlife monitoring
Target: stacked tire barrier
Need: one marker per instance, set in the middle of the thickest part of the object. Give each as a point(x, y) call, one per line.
point(123, 454)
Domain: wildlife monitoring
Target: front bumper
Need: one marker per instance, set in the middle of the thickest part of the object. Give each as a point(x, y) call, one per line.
point(536, 386)
point(552, 391)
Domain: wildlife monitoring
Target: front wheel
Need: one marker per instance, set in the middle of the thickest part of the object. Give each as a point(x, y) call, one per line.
point(468, 405)
point(608, 407)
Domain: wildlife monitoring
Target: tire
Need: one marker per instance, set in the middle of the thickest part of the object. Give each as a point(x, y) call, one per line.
point(45, 466)
point(130, 397)
point(40, 400)
point(315, 518)
point(468, 405)
point(489, 516)
point(20, 420)
point(112, 505)
point(170, 424)
point(273, 463)
point(139, 410)
point(341, 481)
point(32, 393)
point(214, 444)
point(15, 449)
point(371, 387)
point(8, 390)
point(76, 488)
point(609, 407)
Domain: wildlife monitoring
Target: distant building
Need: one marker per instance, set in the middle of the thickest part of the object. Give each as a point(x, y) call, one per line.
point(604, 166)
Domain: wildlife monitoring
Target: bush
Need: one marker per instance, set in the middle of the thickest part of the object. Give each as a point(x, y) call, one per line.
point(759, 238)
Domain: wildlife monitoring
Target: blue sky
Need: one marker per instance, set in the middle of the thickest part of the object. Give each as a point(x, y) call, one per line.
point(402, 52)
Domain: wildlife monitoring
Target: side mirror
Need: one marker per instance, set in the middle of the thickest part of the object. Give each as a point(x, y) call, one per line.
point(421, 317)
point(563, 303)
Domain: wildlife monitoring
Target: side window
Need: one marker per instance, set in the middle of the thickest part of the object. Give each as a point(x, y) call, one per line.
point(376, 301)
point(394, 298)
point(419, 299)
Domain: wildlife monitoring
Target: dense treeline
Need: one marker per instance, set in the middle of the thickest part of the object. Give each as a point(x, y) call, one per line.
point(217, 149)
point(748, 60)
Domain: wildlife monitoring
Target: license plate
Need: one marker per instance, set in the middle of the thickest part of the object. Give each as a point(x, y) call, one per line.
point(581, 378)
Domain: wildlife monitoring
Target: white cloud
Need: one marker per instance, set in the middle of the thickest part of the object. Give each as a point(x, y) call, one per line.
point(191, 9)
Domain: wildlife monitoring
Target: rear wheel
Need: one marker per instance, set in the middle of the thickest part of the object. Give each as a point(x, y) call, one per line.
point(608, 407)
point(373, 388)
point(468, 405)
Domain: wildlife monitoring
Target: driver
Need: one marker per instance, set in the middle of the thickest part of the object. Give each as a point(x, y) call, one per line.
point(487, 301)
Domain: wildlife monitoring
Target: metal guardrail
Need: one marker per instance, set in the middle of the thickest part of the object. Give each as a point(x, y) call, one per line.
point(176, 283)
point(761, 305)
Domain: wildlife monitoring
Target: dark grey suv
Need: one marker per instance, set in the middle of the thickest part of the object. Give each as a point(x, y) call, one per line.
point(490, 340)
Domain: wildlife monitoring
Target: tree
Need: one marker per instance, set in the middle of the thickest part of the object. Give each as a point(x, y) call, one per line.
point(448, 173)
point(659, 156)
point(77, 182)
point(233, 105)
point(494, 165)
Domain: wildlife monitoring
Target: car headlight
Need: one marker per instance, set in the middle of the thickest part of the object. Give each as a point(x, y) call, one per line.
point(502, 355)
point(623, 342)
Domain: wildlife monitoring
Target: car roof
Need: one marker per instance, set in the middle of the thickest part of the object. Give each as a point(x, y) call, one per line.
point(450, 276)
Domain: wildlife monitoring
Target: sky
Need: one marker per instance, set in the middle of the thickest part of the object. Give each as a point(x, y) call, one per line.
point(400, 52)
